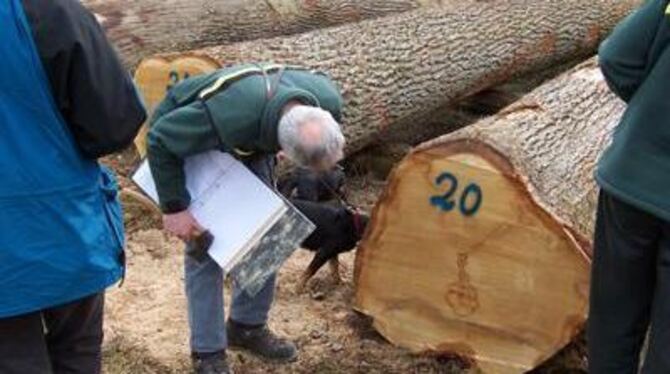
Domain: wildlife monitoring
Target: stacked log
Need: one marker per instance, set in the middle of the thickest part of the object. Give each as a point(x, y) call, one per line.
point(395, 71)
point(479, 245)
point(142, 28)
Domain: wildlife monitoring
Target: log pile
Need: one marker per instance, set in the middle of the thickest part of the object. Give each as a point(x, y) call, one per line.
point(142, 28)
point(398, 70)
point(478, 246)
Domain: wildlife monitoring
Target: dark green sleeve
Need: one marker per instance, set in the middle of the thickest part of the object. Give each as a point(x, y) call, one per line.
point(180, 133)
point(625, 57)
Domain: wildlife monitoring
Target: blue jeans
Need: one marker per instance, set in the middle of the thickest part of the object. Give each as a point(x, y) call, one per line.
point(204, 290)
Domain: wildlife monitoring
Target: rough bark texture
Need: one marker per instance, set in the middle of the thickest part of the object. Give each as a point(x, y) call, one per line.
point(518, 291)
point(473, 108)
point(397, 70)
point(553, 138)
point(141, 28)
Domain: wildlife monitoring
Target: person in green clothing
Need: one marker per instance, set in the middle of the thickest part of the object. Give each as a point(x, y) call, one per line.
point(630, 284)
point(253, 112)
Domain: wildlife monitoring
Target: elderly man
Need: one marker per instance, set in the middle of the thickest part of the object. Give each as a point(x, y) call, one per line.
point(630, 288)
point(252, 112)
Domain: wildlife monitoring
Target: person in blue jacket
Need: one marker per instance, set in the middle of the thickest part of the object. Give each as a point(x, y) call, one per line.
point(65, 100)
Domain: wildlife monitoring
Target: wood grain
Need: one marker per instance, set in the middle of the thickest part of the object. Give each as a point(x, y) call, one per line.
point(506, 286)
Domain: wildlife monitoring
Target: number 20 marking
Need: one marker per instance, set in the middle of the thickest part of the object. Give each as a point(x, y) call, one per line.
point(467, 206)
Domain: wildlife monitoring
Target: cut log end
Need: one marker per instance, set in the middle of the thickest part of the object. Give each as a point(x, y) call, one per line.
point(154, 77)
point(459, 259)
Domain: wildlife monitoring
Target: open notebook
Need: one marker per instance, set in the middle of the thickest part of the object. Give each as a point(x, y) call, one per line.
point(254, 228)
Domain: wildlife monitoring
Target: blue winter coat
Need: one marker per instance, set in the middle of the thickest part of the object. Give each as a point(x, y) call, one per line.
point(61, 228)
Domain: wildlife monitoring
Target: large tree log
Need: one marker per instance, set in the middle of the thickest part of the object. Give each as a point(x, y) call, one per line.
point(142, 28)
point(396, 70)
point(494, 268)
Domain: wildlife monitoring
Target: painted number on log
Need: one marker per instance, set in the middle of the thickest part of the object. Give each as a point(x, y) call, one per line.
point(470, 198)
point(174, 79)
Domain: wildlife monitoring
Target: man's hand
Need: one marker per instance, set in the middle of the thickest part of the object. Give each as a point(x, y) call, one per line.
point(182, 224)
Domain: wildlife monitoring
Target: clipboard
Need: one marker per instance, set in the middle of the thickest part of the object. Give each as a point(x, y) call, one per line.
point(254, 229)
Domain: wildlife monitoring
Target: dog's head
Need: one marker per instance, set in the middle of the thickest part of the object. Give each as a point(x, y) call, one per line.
point(305, 184)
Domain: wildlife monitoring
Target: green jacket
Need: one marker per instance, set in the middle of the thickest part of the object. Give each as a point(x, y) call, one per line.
point(236, 110)
point(635, 61)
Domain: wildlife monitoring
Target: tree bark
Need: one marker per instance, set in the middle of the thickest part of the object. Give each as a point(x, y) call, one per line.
point(142, 28)
point(478, 242)
point(553, 138)
point(396, 71)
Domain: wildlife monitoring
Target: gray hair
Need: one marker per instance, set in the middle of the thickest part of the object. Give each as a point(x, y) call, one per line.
point(310, 137)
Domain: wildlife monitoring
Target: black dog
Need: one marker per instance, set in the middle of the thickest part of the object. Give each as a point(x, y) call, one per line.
point(305, 184)
point(338, 229)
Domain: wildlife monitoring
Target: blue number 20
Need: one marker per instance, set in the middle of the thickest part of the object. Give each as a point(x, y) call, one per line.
point(469, 202)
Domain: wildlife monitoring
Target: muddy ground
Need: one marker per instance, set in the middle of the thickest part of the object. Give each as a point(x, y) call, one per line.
point(146, 327)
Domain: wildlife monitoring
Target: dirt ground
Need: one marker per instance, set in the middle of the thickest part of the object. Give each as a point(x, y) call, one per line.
point(146, 327)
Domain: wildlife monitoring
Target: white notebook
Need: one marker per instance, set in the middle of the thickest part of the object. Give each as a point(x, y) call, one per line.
point(227, 199)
